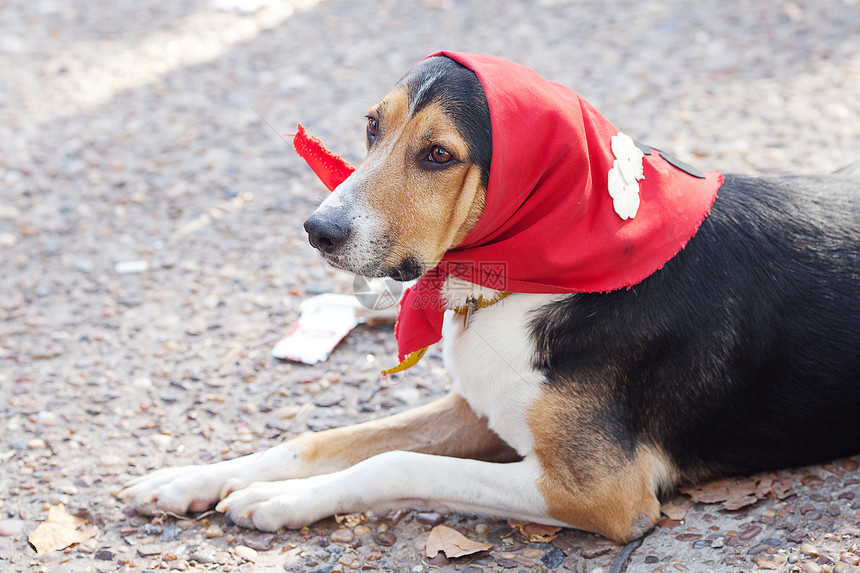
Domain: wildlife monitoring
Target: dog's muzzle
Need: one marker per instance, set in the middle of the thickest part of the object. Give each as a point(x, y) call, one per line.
point(326, 234)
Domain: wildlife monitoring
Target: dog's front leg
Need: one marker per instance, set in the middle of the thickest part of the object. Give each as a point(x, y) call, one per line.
point(447, 426)
point(392, 480)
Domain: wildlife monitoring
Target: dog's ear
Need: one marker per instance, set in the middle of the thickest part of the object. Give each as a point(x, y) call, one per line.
point(330, 167)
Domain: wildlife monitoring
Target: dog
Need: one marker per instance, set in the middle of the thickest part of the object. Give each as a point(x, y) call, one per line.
point(737, 352)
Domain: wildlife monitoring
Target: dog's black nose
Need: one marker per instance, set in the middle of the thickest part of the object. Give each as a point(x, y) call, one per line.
point(326, 234)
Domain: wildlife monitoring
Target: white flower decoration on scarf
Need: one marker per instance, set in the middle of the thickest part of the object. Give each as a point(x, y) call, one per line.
point(625, 175)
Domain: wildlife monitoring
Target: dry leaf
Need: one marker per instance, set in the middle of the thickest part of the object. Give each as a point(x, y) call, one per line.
point(764, 487)
point(538, 533)
point(60, 530)
point(676, 511)
point(452, 543)
point(738, 493)
point(349, 520)
point(782, 489)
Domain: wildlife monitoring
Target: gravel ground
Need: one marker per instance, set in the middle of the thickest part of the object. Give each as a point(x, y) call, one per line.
point(151, 250)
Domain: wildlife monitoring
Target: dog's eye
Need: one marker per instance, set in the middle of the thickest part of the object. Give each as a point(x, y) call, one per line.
point(440, 155)
point(372, 127)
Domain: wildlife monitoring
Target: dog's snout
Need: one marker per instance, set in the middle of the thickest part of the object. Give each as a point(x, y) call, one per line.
point(325, 234)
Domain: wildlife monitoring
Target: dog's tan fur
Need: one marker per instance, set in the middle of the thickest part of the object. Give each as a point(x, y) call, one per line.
point(425, 212)
point(615, 496)
point(446, 426)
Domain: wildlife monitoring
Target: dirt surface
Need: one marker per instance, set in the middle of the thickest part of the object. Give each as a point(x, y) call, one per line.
point(151, 251)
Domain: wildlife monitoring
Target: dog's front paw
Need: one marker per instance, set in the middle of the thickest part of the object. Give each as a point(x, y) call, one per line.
point(272, 505)
point(183, 489)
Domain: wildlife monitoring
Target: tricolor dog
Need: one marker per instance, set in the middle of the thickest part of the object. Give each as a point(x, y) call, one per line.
point(615, 322)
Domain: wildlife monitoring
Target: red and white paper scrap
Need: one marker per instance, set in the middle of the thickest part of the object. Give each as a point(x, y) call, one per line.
point(325, 319)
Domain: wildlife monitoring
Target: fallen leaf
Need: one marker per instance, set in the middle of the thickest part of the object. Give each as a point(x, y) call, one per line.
point(675, 511)
point(452, 543)
point(737, 493)
point(741, 495)
point(782, 489)
point(60, 530)
point(349, 519)
point(538, 533)
point(534, 532)
point(765, 486)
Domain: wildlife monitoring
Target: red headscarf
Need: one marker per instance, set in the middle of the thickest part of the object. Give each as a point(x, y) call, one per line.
point(572, 205)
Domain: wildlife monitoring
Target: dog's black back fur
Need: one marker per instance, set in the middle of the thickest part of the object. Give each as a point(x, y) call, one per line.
point(743, 352)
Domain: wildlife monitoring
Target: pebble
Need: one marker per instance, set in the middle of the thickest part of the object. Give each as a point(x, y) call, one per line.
point(104, 555)
point(36, 444)
point(750, 532)
point(46, 418)
point(245, 552)
point(688, 536)
point(718, 543)
point(131, 267)
point(87, 546)
point(811, 480)
point(773, 542)
point(342, 535)
point(171, 532)
point(553, 558)
point(260, 541)
point(110, 460)
point(810, 567)
point(385, 538)
point(361, 530)
point(531, 552)
point(204, 555)
point(162, 440)
point(148, 550)
point(293, 564)
point(809, 549)
point(10, 527)
point(429, 518)
point(758, 548)
point(482, 528)
point(214, 530)
point(651, 559)
point(850, 558)
point(349, 561)
point(507, 563)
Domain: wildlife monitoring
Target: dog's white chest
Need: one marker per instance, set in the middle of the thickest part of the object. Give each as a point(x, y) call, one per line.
point(491, 362)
